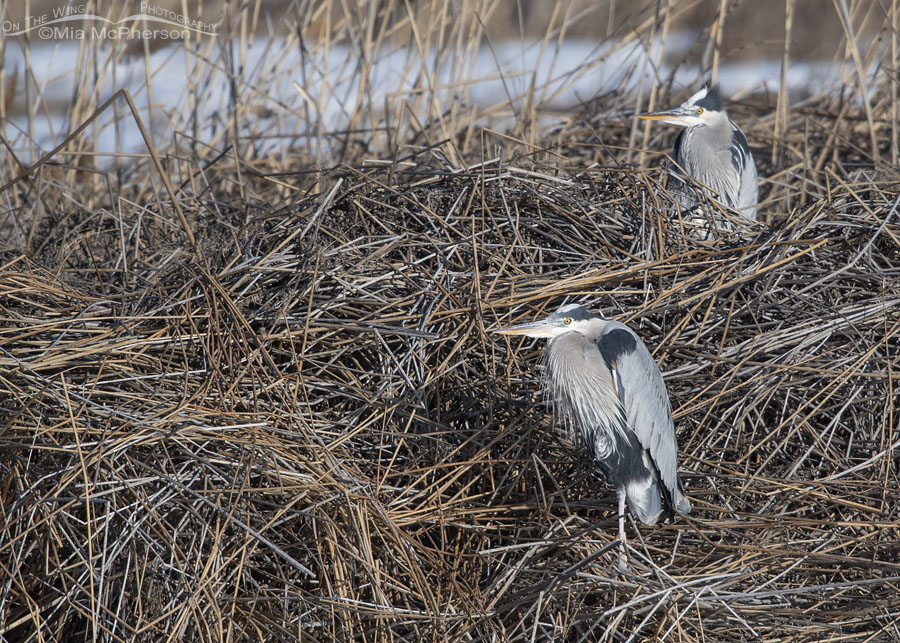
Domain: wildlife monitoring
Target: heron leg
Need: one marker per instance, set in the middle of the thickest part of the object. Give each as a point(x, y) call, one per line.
point(623, 552)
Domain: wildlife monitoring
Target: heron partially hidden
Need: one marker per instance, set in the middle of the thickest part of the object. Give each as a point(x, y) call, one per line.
point(601, 378)
point(713, 151)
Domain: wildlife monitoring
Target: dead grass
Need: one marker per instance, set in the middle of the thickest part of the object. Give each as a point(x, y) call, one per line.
point(295, 425)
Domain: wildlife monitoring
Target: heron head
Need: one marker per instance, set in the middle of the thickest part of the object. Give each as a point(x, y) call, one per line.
point(703, 108)
point(570, 317)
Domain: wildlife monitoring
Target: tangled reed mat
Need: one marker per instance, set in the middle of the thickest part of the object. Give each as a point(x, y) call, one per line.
point(301, 426)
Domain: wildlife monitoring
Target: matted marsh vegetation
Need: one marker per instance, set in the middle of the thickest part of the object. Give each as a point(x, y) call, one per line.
point(270, 407)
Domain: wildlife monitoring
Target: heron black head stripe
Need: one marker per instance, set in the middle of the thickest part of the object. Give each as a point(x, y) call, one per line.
point(615, 344)
point(712, 101)
point(576, 312)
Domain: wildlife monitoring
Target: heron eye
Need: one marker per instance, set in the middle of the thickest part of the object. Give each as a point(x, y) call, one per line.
point(567, 321)
point(699, 111)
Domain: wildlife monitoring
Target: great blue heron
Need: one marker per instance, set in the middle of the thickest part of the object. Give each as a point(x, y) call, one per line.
point(713, 151)
point(602, 378)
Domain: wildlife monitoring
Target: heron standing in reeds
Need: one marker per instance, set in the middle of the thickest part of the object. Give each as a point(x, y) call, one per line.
point(713, 151)
point(601, 377)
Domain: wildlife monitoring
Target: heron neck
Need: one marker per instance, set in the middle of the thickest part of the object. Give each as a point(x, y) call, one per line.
point(719, 132)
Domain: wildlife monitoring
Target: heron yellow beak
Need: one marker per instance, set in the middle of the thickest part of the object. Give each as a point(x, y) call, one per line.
point(677, 116)
point(654, 116)
point(532, 329)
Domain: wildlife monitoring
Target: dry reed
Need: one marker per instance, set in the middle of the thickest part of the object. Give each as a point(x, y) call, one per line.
point(298, 426)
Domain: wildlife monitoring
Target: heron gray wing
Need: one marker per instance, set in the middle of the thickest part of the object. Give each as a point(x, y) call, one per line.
point(646, 402)
point(740, 149)
point(743, 162)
